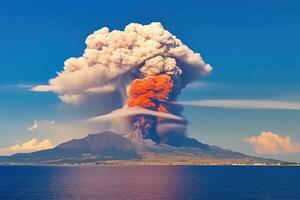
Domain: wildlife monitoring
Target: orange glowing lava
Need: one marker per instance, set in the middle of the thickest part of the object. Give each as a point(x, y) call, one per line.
point(150, 91)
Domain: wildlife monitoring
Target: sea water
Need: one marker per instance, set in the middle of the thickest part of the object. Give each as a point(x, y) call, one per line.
point(149, 182)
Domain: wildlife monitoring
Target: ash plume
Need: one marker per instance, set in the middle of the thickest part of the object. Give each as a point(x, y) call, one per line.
point(145, 64)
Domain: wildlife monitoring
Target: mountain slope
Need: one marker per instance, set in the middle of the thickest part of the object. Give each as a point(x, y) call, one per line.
point(110, 148)
point(102, 146)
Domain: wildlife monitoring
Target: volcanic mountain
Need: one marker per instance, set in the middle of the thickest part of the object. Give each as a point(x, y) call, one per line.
point(102, 146)
point(111, 148)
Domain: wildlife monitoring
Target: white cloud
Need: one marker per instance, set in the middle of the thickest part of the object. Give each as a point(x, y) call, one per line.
point(126, 112)
point(40, 124)
point(44, 88)
point(106, 88)
point(198, 85)
point(273, 144)
point(15, 87)
point(243, 104)
point(59, 132)
point(109, 61)
point(28, 146)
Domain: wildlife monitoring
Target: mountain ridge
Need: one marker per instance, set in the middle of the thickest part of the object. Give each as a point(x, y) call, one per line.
point(111, 148)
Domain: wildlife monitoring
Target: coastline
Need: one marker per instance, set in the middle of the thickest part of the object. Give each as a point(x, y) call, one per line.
point(147, 164)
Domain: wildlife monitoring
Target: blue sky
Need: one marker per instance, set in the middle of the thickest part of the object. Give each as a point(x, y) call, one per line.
point(252, 45)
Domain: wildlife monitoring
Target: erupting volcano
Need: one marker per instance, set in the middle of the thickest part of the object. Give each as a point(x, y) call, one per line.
point(146, 65)
point(149, 92)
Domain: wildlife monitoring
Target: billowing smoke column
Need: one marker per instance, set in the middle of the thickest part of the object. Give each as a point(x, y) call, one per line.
point(145, 64)
point(149, 92)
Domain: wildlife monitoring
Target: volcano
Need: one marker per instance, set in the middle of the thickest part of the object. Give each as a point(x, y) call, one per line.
point(112, 148)
point(103, 146)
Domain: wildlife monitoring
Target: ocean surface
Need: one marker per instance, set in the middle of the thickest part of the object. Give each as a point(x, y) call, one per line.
point(149, 182)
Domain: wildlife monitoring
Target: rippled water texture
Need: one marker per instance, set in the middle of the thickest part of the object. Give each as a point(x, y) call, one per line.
point(151, 182)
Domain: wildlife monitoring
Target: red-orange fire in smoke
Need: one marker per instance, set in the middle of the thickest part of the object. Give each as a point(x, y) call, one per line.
point(150, 92)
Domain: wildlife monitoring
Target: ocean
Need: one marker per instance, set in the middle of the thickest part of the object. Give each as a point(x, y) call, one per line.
point(149, 182)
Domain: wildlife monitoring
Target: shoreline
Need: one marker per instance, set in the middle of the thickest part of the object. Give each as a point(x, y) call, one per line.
point(149, 165)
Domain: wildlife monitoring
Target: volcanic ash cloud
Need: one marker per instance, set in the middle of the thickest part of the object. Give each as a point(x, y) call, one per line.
point(145, 64)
